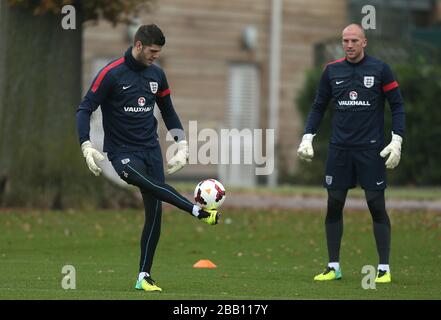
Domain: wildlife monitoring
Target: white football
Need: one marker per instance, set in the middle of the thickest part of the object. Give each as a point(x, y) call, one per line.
point(209, 194)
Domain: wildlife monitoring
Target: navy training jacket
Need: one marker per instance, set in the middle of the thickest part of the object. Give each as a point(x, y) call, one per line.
point(359, 91)
point(127, 92)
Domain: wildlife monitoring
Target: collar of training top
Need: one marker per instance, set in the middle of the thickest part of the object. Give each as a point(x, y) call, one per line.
point(359, 62)
point(132, 62)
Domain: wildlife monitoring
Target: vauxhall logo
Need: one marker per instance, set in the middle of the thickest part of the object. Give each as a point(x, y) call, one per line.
point(353, 96)
point(141, 108)
point(138, 109)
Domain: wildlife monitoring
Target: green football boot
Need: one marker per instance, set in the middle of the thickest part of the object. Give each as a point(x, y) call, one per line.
point(147, 284)
point(329, 274)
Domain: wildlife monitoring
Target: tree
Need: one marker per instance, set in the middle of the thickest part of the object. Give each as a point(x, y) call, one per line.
point(114, 11)
point(40, 87)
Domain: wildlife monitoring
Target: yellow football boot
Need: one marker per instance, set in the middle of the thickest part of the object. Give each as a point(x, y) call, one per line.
point(147, 284)
point(328, 274)
point(383, 277)
point(210, 217)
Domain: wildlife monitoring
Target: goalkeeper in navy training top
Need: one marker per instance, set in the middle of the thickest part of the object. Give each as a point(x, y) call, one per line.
point(359, 85)
point(127, 90)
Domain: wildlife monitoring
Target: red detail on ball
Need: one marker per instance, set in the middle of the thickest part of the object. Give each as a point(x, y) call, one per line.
point(220, 193)
point(199, 199)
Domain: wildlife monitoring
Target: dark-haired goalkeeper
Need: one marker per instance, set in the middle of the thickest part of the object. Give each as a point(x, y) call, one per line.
point(359, 85)
point(127, 90)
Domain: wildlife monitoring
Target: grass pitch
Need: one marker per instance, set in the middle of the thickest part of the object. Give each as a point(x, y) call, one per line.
point(259, 255)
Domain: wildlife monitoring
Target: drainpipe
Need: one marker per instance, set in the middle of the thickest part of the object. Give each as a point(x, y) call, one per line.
point(274, 82)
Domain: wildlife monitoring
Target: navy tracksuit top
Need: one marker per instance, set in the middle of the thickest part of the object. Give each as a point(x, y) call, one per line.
point(359, 91)
point(127, 92)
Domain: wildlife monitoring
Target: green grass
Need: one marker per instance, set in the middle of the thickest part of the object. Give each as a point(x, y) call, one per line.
point(404, 193)
point(260, 255)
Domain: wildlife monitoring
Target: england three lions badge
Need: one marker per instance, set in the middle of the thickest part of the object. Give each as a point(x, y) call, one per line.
point(153, 87)
point(369, 81)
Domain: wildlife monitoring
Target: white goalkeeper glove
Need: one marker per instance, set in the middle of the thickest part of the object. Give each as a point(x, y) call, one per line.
point(92, 155)
point(394, 149)
point(305, 150)
point(180, 159)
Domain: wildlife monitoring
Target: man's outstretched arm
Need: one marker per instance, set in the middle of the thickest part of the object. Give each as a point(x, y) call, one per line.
point(96, 95)
point(393, 95)
point(315, 116)
point(174, 126)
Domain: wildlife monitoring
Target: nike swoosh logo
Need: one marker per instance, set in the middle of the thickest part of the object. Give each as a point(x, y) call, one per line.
point(338, 82)
point(378, 183)
point(124, 87)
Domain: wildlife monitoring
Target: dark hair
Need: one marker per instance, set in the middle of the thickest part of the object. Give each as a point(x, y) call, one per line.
point(150, 34)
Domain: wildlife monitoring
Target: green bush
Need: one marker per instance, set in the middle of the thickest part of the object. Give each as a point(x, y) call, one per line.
point(420, 85)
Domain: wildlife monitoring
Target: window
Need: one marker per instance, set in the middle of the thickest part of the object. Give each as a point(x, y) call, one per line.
point(242, 113)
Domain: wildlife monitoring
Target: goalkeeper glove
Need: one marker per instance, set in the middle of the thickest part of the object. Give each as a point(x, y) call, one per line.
point(305, 150)
point(180, 159)
point(394, 149)
point(92, 155)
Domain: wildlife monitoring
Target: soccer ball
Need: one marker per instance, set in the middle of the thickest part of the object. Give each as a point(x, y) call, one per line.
point(209, 194)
